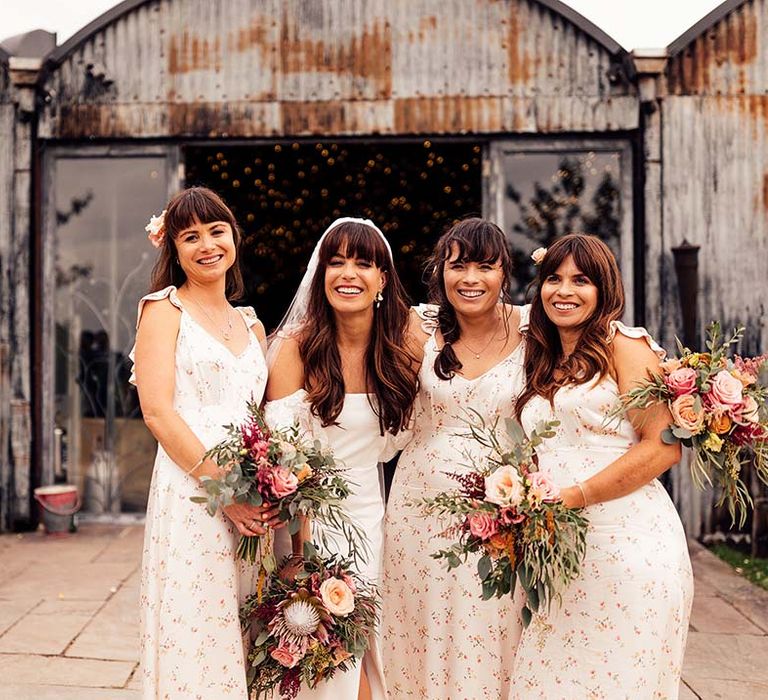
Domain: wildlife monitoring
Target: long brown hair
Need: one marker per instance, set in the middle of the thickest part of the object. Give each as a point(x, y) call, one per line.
point(186, 207)
point(476, 240)
point(543, 349)
point(389, 368)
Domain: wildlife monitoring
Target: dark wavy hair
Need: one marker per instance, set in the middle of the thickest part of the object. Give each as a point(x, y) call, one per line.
point(390, 370)
point(186, 207)
point(543, 349)
point(478, 241)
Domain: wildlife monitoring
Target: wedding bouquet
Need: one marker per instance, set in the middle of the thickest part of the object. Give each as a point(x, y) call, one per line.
point(308, 628)
point(510, 513)
point(260, 465)
point(718, 407)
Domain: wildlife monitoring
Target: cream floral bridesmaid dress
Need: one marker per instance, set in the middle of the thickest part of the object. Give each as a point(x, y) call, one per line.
point(621, 629)
point(191, 582)
point(441, 641)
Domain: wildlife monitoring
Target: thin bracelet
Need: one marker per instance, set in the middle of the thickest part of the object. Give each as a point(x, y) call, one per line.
point(583, 493)
point(196, 465)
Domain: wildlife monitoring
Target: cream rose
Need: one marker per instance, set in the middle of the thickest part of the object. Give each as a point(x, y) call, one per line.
point(686, 416)
point(504, 487)
point(542, 489)
point(337, 597)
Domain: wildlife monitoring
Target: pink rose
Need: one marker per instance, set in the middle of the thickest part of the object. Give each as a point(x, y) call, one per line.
point(543, 489)
point(283, 482)
point(681, 381)
point(504, 487)
point(482, 525)
point(285, 655)
point(686, 416)
point(726, 391)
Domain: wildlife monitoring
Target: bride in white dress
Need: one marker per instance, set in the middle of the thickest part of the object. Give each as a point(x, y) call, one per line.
point(339, 367)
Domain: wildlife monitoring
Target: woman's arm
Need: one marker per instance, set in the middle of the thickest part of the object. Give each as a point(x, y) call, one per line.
point(155, 361)
point(647, 459)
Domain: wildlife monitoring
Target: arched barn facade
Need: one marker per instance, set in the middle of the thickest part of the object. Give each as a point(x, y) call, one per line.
point(411, 112)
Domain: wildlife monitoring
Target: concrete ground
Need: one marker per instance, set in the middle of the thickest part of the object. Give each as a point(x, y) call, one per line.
point(69, 621)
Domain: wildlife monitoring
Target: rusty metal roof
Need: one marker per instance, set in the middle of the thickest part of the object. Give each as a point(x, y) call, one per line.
point(704, 25)
point(92, 28)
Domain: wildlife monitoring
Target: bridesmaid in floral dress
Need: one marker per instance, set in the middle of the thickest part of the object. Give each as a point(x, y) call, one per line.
point(621, 630)
point(198, 361)
point(441, 641)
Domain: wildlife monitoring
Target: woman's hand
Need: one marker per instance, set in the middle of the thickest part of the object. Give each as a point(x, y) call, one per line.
point(253, 521)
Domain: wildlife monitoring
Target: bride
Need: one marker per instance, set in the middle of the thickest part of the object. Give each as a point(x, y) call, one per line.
point(339, 366)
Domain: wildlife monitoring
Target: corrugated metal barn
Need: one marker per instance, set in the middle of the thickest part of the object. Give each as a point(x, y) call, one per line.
point(413, 112)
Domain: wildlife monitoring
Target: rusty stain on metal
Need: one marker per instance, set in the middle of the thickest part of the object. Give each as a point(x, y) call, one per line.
point(518, 61)
point(720, 59)
point(366, 55)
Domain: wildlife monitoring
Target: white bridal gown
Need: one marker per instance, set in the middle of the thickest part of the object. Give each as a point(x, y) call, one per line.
point(192, 585)
point(355, 442)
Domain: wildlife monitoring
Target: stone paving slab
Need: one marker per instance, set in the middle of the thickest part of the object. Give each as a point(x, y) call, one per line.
point(69, 623)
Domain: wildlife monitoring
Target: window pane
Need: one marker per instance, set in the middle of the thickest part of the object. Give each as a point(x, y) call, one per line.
point(546, 195)
point(102, 265)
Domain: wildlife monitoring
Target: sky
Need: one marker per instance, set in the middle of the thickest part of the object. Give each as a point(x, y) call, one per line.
point(643, 24)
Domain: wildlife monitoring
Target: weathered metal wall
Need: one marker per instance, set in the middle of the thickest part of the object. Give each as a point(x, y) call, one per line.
point(250, 68)
point(715, 173)
point(6, 199)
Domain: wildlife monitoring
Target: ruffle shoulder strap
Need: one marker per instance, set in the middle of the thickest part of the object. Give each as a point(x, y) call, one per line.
point(636, 332)
point(169, 293)
point(428, 315)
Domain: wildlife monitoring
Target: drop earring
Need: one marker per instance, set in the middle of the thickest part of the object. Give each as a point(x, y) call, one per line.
point(379, 298)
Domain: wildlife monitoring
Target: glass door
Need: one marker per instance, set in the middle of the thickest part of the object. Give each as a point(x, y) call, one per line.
point(98, 264)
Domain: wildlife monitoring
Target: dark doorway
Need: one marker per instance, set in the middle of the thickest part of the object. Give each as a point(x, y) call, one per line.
point(285, 195)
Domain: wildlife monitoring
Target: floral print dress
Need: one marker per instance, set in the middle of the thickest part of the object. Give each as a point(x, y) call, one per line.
point(621, 629)
point(191, 582)
point(441, 641)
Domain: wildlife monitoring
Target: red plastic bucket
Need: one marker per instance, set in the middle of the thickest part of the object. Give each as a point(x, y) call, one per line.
point(58, 505)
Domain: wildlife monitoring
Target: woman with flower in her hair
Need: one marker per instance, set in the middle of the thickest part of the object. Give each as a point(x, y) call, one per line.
point(621, 629)
point(197, 362)
point(441, 641)
point(341, 368)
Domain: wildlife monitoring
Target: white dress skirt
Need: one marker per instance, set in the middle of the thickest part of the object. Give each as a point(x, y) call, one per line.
point(192, 585)
point(621, 629)
point(357, 443)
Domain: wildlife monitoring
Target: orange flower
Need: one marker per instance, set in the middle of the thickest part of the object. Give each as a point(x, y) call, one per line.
point(720, 424)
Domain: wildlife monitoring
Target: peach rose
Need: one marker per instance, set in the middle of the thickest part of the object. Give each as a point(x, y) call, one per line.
point(305, 471)
point(727, 391)
point(720, 424)
point(685, 414)
point(337, 597)
point(538, 256)
point(482, 525)
point(542, 488)
point(670, 365)
point(504, 487)
point(681, 381)
point(285, 656)
point(283, 482)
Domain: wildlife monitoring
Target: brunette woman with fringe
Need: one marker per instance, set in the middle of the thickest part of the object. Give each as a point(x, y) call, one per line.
point(441, 641)
point(340, 368)
point(198, 361)
point(621, 628)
